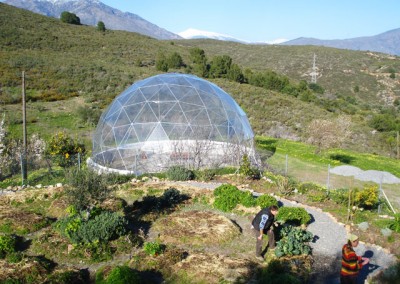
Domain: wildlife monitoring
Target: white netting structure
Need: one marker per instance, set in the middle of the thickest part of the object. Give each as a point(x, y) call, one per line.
point(171, 119)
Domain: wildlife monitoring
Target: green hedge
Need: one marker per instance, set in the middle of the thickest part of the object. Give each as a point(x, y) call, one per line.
point(293, 214)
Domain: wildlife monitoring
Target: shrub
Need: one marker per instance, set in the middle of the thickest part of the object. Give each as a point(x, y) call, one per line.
point(247, 199)
point(266, 200)
point(247, 170)
point(70, 18)
point(275, 273)
point(179, 173)
point(227, 197)
point(153, 248)
point(86, 188)
point(395, 224)
point(310, 186)
point(100, 228)
point(293, 214)
point(66, 277)
point(285, 185)
point(118, 275)
point(205, 175)
point(7, 245)
point(367, 197)
point(63, 149)
point(340, 195)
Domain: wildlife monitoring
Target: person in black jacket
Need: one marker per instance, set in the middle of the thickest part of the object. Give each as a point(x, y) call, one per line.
point(262, 224)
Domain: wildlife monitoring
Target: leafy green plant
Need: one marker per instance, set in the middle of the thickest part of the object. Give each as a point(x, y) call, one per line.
point(276, 273)
point(64, 150)
point(395, 224)
point(153, 248)
point(247, 170)
point(7, 245)
point(86, 188)
point(66, 277)
point(179, 173)
point(367, 198)
point(293, 242)
point(227, 197)
point(101, 228)
point(247, 199)
point(205, 175)
point(293, 214)
point(266, 200)
point(118, 275)
point(304, 187)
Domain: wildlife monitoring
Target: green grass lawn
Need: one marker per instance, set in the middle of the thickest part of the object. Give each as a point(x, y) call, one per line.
point(300, 161)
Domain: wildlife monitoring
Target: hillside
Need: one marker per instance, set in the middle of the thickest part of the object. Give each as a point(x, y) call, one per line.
point(90, 12)
point(69, 66)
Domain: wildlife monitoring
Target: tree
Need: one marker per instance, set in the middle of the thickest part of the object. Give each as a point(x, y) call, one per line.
point(220, 66)
point(175, 61)
point(70, 18)
point(326, 134)
point(161, 63)
point(199, 60)
point(101, 26)
point(235, 74)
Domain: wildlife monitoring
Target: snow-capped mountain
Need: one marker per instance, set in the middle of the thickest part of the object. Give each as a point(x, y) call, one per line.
point(193, 34)
point(90, 12)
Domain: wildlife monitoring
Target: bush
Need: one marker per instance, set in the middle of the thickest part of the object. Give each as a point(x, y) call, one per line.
point(66, 277)
point(100, 228)
point(276, 273)
point(395, 224)
point(86, 188)
point(340, 195)
point(70, 18)
point(293, 214)
point(205, 175)
point(153, 248)
point(227, 197)
point(247, 199)
point(247, 170)
point(118, 275)
point(64, 150)
point(367, 198)
point(179, 173)
point(266, 200)
point(7, 245)
point(309, 186)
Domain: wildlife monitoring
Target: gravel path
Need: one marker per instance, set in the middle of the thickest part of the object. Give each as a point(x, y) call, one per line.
point(329, 237)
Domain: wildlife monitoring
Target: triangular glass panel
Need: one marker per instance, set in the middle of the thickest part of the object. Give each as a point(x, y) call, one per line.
point(135, 98)
point(120, 134)
point(133, 110)
point(122, 119)
point(143, 130)
point(151, 93)
point(146, 115)
point(158, 134)
point(175, 115)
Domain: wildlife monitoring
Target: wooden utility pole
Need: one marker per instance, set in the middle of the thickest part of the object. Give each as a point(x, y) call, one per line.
point(398, 147)
point(24, 151)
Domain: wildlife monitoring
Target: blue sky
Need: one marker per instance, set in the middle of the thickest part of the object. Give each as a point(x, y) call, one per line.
point(268, 20)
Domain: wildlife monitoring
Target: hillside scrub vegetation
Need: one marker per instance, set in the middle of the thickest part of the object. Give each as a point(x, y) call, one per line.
point(73, 67)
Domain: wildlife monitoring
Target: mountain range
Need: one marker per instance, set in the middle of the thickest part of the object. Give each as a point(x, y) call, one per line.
point(91, 12)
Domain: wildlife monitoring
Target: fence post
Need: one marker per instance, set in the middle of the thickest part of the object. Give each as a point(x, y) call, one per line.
point(328, 180)
point(79, 161)
point(380, 194)
point(286, 165)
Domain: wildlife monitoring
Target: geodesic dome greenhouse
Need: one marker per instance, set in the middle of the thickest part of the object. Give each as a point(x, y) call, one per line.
point(171, 119)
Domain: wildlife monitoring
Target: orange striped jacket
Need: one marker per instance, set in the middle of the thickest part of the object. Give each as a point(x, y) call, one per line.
point(351, 263)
